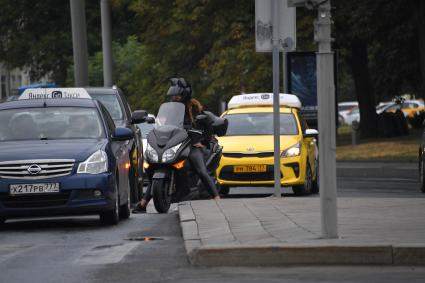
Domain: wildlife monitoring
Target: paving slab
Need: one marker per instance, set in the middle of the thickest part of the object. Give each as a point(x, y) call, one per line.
point(287, 231)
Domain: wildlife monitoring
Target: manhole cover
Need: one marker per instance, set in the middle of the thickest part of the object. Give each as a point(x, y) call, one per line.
point(144, 239)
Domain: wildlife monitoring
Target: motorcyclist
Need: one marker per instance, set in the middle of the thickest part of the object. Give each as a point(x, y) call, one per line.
point(181, 91)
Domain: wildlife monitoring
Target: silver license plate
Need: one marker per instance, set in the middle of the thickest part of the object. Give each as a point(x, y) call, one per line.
point(22, 189)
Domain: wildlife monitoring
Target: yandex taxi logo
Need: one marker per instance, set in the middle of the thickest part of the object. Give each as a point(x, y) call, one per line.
point(55, 93)
point(263, 99)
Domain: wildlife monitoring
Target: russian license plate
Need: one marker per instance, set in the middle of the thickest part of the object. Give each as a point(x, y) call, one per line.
point(22, 189)
point(249, 168)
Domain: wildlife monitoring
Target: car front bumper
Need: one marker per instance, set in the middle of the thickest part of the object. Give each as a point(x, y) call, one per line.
point(292, 171)
point(76, 196)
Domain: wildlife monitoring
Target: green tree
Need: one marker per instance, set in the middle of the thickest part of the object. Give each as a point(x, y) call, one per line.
point(211, 43)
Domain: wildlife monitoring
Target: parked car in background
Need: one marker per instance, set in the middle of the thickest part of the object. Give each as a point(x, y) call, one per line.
point(343, 109)
point(408, 107)
point(422, 161)
point(116, 103)
point(146, 127)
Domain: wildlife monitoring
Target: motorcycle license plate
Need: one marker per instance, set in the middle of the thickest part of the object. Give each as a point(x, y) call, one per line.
point(43, 188)
point(249, 168)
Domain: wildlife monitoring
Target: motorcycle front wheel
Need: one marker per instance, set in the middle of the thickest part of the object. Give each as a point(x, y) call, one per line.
point(161, 195)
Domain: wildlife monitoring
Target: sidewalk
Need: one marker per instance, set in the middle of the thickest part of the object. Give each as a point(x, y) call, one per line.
point(273, 232)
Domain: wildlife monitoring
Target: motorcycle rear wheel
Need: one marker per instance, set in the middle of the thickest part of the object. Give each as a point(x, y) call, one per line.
point(161, 196)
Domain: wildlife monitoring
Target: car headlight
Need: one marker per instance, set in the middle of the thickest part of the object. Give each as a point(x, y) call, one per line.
point(97, 163)
point(294, 150)
point(170, 153)
point(151, 153)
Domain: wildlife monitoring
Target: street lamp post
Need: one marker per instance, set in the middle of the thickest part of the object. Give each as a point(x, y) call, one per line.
point(276, 97)
point(79, 42)
point(105, 8)
point(326, 119)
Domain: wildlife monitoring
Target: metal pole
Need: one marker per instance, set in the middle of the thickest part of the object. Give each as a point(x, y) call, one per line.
point(79, 42)
point(326, 117)
point(284, 72)
point(8, 84)
point(276, 98)
point(105, 8)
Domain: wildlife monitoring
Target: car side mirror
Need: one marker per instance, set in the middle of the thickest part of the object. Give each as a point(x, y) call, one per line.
point(122, 134)
point(311, 133)
point(150, 120)
point(138, 116)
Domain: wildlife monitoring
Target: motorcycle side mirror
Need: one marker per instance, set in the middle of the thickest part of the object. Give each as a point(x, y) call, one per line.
point(201, 117)
point(150, 120)
point(138, 116)
point(195, 135)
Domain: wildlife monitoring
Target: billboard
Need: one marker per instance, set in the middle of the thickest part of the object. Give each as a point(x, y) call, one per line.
point(302, 81)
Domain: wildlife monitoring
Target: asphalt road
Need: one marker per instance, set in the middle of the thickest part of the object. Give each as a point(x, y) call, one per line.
point(81, 250)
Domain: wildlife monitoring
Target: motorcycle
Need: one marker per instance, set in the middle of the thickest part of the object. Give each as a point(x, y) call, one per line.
point(168, 147)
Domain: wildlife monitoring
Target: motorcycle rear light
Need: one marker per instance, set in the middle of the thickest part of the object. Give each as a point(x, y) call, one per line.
point(179, 165)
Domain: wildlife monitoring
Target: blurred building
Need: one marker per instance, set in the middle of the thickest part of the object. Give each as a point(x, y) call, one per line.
point(10, 80)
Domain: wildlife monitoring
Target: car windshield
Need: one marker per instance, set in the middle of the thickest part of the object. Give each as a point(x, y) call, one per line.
point(251, 124)
point(171, 113)
point(145, 128)
point(111, 103)
point(354, 111)
point(50, 123)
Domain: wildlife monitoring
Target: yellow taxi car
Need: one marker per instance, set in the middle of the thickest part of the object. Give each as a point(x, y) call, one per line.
point(248, 145)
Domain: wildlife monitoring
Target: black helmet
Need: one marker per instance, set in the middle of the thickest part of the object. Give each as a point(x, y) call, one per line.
point(180, 87)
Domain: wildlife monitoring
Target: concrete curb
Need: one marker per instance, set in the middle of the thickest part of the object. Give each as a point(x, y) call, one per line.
point(189, 227)
point(292, 254)
point(301, 254)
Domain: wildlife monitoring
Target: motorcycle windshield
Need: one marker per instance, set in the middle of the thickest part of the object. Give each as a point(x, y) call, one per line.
point(172, 114)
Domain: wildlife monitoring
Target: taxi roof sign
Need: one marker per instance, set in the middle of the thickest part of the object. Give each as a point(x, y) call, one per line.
point(263, 99)
point(55, 93)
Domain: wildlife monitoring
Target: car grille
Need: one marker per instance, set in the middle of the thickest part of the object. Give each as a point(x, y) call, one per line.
point(34, 201)
point(248, 154)
point(227, 174)
point(46, 168)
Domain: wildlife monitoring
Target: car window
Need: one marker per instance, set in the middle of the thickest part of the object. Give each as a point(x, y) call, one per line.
point(111, 102)
point(127, 107)
point(303, 123)
point(249, 124)
point(50, 123)
point(109, 121)
point(393, 107)
point(345, 107)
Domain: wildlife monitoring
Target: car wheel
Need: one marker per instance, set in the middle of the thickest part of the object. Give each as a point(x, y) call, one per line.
point(307, 187)
point(111, 217)
point(421, 175)
point(125, 208)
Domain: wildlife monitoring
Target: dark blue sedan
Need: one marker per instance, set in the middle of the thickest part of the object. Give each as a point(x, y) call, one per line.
point(62, 156)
